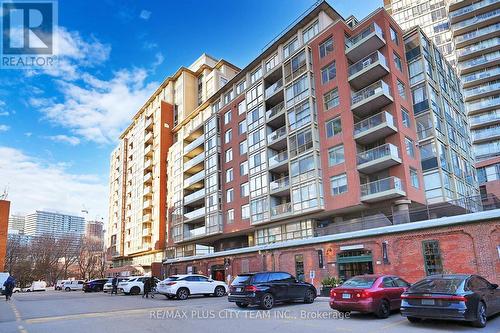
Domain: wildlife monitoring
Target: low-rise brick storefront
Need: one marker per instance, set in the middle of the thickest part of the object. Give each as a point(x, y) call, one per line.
point(459, 244)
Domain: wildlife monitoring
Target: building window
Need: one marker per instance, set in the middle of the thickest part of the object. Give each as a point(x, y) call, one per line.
point(328, 73)
point(227, 117)
point(229, 195)
point(414, 178)
point(229, 175)
point(229, 155)
point(243, 147)
point(244, 190)
point(410, 147)
point(331, 99)
point(394, 36)
point(333, 127)
point(255, 75)
point(397, 62)
point(272, 62)
point(336, 155)
point(299, 267)
point(432, 257)
point(326, 47)
point(310, 32)
point(401, 89)
point(299, 115)
point(339, 184)
point(244, 168)
point(245, 212)
point(228, 135)
point(406, 118)
point(241, 107)
point(242, 127)
point(289, 48)
point(240, 87)
point(230, 216)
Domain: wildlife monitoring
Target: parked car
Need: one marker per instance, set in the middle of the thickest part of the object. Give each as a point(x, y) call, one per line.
point(59, 284)
point(268, 288)
point(37, 286)
point(108, 286)
point(453, 297)
point(73, 285)
point(182, 286)
point(94, 285)
point(134, 285)
point(378, 294)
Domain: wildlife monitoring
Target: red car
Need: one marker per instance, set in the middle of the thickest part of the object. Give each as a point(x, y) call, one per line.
point(377, 294)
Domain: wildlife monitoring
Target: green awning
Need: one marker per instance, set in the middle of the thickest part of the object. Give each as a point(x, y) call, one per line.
point(348, 260)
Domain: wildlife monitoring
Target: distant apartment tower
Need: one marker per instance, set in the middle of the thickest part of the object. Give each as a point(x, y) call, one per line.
point(430, 15)
point(16, 224)
point(476, 31)
point(94, 230)
point(441, 122)
point(4, 224)
point(139, 194)
point(56, 224)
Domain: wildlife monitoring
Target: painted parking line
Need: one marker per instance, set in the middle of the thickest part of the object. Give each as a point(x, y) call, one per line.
point(394, 324)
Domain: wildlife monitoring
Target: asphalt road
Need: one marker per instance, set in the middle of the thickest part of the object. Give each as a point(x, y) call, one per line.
point(74, 312)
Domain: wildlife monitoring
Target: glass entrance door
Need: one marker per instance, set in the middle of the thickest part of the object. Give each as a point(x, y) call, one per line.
point(355, 262)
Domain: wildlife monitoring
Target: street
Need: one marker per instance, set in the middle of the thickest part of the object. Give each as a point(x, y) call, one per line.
point(55, 311)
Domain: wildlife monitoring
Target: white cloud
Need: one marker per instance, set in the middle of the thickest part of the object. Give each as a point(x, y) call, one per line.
point(159, 59)
point(4, 113)
point(72, 140)
point(28, 134)
point(35, 184)
point(4, 128)
point(145, 14)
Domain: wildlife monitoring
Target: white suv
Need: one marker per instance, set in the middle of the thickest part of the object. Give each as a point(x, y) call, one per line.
point(134, 285)
point(181, 286)
point(72, 285)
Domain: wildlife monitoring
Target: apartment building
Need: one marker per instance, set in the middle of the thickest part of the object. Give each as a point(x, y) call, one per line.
point(57, 224)
point(476, 32)
point(441, 121)
point(431, 16)
point(314, 132)
point(16, 224)
point(4, 223)
point(140, 169)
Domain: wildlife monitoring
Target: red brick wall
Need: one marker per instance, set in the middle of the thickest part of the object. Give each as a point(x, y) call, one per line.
point(470, 248)
point(4, 226)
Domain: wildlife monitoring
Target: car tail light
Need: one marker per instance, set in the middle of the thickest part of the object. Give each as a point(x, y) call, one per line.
point(364, 294)
point(171, 283)
point(444, 298)
point(333, 293)
point(251, 288)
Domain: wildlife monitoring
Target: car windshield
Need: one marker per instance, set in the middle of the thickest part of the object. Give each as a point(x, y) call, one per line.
point(242, 279)
point(360, 282)
point(443, 285)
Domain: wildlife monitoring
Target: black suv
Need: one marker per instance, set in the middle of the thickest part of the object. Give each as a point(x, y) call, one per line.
point(267, 288)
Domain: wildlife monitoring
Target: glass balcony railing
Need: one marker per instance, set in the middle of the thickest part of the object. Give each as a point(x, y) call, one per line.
point(147, 177)
point(282, 209)
point(280, 184)
point(382, 151)
point(485, 44)
point(483, 103)
point(148, 137)
point(382, 185)
point(194, 161)
point(485, 118)
point(146, 218)
point(475, 20)
point(484, 59)
point(146, 232)
point(482, 89)
point(484, 74)
point(363, 63)
point(197, 213)
point(194, 144)
point(471, 8)
point(194, 196)
point(146, 204)
point(276, 135)
point(148, 150)
point(477, 33)
point(373, 121)
point(194, 178)
point(365, 33)
point(148, 164)
point(274, 88)
point(147, 191)
point(374, 88)
point(278, 158)
point(275, 110)
point(486, 133)
point(197, 232)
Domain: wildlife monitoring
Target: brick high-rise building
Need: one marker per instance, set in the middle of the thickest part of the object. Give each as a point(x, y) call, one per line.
point(4, 224)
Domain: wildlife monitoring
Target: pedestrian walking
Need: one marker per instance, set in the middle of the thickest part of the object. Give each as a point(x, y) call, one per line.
point(114, 285)
point(153, 287)
point(147, 287)
point(9, 285)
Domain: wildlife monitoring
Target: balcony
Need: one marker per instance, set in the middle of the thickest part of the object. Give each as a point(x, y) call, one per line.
point(194, 215)
point(146, 232)
point(486, 134)
point(484, 104)
point(274, 88)
point(148, 164)
point(198, 162)
point(148, 124)
point(485, 60)
point(148, 178)
point(275, 116)
point(195, 233)
point(148, 151)
point(279, 161)
point(370, 99)
point(277, 139)
point(281, 210)
point(148, 191)
point(374, 128)
point(147, 204)
point(379, 158)
point(148, 138)
point(197, 177)
point(368, 70)
point(476, 35)
point(195, 144)
point(475, 49)
point(484, 119)
point(481, 76)
point(481, 90)
point(368, 41)
point(473, 9)
point(147, 218)
point(475, 22)
point(280, 186)
point(383, 189)
point(195, 197)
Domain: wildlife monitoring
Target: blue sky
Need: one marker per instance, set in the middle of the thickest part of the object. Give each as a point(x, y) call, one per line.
point(58, 127)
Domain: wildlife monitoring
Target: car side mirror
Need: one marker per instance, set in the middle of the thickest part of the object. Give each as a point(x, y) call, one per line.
point(494, 286)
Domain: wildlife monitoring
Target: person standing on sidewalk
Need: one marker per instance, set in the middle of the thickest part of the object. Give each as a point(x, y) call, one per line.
point(147, 287)
point(153, 286)
point(114, 285)
point(9, 286)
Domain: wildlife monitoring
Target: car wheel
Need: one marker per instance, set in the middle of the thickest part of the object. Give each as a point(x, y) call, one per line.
point(241, 305)
point(219, 291)
point(67, 289)
point(414, 320)
point(135, 291)
point(481, 317)
point(384, 309)
point(28, 291)
point(267, 302)
point(309, 296)
point(182, 294)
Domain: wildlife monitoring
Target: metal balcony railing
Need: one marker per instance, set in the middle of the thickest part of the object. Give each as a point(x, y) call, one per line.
point(367, 61)
point(477, 33)
point(481, 75)
point(194, 196)
point(485, 117)
point(374, 88)
point(278, 158)
point(194, 161)
point(471, 8)
point(375, 120)
point(280, 184)
point(194, 178)
point(275, 110)
point(274, 88)
point(475, 20)
point(386, 184)
point(197, 142)
point(276, 135)
point(483, 103)
point(197, 232)
point(482, 89)
point(282, 209)
point(382, 151)
point(351, 42)
point(195, 214)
